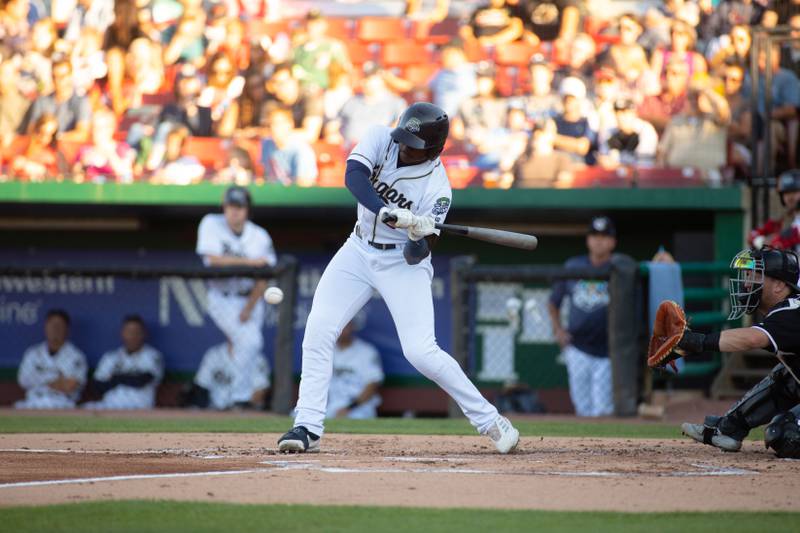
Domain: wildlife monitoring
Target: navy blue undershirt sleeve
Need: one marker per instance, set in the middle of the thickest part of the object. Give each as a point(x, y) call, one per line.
point(356, 178)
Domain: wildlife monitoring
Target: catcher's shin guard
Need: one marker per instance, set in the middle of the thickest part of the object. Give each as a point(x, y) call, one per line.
point(774, 394)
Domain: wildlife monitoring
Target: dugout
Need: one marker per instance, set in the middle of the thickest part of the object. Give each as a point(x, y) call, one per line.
point(92, 220)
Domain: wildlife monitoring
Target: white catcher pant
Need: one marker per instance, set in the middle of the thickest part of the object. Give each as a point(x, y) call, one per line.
point(345, 286)
point(589, 383)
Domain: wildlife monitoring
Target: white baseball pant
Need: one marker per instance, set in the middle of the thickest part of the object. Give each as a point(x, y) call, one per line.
point(346, 285)
point(589, 383)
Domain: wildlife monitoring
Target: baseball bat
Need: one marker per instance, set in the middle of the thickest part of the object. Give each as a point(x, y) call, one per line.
point(494, 236)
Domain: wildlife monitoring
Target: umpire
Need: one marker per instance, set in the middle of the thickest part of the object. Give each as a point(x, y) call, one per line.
point(766, 280)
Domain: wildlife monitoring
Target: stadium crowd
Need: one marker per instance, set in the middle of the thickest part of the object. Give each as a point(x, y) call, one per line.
point(540, 92)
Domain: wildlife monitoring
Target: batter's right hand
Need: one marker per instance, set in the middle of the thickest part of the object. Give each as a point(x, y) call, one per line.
point(404, 218)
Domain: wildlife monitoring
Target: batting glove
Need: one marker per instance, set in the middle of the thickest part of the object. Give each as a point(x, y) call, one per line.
point(405, 218)
point(421, 228)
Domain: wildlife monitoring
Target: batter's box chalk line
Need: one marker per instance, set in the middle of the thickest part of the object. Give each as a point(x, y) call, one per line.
point(317, 466)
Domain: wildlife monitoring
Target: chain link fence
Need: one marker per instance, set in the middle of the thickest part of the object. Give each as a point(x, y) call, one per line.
point(135, 336)
point(504, 336)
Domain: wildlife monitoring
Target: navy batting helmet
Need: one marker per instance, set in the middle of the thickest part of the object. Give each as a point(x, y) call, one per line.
point(423, 126)
point(237, 195)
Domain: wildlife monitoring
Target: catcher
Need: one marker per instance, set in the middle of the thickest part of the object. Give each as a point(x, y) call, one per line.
point(765, 280)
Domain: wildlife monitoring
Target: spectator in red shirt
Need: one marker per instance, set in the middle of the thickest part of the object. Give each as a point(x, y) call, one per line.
point(40, 159)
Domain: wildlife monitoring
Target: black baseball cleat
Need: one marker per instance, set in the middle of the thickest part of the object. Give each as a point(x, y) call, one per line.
point(298, 440)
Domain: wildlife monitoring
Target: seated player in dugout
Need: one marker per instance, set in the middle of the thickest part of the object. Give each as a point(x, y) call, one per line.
point(127, 378)
point(766, 280)
point(357, 375)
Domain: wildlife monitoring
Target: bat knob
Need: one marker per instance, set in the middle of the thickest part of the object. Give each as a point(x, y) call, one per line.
point(388, 219)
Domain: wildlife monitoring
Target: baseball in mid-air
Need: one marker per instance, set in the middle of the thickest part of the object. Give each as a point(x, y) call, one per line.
point(273, 295)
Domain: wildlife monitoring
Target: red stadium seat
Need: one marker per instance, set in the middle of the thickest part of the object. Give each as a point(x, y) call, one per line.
point(664, 177)
point(435, 32)
point(340, 28)
point(212, 152)
point(476, 52)
point(590, 177)
point(330, 163)
point(404, 53)
point(514, 54)
point(259, 28)
point(463, 177)
point(359, 52)
point(381, 29)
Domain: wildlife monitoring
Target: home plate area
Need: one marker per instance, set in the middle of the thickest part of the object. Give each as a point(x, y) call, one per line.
point(423, 471)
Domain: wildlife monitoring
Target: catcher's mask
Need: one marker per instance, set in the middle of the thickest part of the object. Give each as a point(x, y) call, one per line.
point(750, 267)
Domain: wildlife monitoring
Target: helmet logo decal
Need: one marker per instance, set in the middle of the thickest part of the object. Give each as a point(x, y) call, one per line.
point(413, 125)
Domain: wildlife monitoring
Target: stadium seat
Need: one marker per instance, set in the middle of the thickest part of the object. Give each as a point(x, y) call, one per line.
point(463, 177)
point(359, 52)
point(330, 163)
point(476, 53)
point(514, 54)
point(212, 152)
point(259, 28)
point(665, 177)
point(435, 32)
point(340, 28)
point(400, 54)
point(594, 176)
point(380, 29)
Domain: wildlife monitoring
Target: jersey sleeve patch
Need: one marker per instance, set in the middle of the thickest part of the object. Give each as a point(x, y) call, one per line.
point(440, 207)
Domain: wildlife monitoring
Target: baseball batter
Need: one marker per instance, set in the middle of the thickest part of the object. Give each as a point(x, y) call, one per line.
point(230, 239)
point(397, 177)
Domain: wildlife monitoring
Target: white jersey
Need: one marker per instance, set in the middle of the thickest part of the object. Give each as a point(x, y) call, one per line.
point(231, 378)
point(38, 368)
point(215, 237)
point(119, 361)
point(354, 367)
point(423, 189)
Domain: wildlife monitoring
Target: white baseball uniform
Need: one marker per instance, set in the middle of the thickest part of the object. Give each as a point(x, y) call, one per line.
point(231, 377)
point(354, 367)
point(38, 368)
point(119, 361)
point(227, 297)
point(358, 268)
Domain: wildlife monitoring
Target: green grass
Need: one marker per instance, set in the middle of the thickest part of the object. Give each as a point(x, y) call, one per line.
point(176, 517)
point(275, 424)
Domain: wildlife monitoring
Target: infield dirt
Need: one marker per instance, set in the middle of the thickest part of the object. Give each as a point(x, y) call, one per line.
point(425, 471)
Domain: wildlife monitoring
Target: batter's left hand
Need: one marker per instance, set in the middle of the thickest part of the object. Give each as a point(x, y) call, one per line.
point(421, 228)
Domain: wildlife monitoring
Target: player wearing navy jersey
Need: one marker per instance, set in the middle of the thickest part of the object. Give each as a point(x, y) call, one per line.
point(402, 191)
point(766, 280)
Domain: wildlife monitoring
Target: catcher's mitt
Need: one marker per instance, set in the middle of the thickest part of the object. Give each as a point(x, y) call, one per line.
point(668, 330)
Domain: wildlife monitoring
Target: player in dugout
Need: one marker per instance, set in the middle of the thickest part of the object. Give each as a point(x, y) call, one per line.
point(766, 280)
